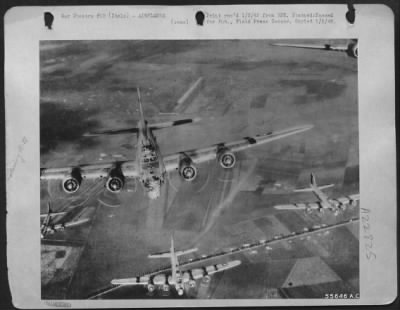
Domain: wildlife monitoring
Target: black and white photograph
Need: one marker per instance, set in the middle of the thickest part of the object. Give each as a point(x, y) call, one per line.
point(200, 156)
point(199, 169)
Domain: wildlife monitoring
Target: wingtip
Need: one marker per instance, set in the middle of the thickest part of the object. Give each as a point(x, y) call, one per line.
point(277, 44)
point(307, 127)
point(236, 262)
point(88, 134)
point(301, 128)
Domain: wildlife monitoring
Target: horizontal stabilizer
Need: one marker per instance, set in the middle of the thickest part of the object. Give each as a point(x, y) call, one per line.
point(326, 186)
point(179, 253)
point(168, 254)
point(301, 190)
point(310, 189)
point(174, 123)
point(160, 255)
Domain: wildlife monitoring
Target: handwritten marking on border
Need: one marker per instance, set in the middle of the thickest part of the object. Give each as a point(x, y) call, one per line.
point(367, 234)
point(18, 158)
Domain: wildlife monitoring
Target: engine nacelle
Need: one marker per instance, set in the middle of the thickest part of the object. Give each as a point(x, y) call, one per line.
point(226, 158)
point(192, 283)
point(151, 288)
point(115, 181)
point(180, 290)
point(352, 50)
point(187, 169)
point(72, 183)
point(165, 288)
point(207, 279)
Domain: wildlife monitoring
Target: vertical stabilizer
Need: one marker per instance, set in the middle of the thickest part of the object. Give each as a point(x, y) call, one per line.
point(140, 106)
point(313, 180)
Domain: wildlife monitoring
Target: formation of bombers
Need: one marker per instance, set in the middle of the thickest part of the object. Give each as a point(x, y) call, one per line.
point(151, 168)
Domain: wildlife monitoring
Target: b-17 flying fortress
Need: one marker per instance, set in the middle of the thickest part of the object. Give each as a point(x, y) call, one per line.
point(324, 202)
point(54, 221)
point(351, 48)
point(177, 278)
point(195, 192)
point(150, 166)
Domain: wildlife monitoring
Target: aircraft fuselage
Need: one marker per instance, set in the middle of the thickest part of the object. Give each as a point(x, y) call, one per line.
point(150, 166)
point(324, 200)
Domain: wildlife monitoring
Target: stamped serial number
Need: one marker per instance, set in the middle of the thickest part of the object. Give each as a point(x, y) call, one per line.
point(342, 296)
point(59, 304)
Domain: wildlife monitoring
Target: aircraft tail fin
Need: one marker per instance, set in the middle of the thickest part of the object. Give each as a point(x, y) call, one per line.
point(313, 180)
point(140, 105)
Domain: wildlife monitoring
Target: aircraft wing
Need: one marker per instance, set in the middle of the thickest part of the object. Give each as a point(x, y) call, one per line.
point(90, 171)
point(340, 201)
point(143, 280)
point(209, 153)
point(212, 269)
point(328, 47)
point(354, 197)
point(346, 200)
point(299, 206)
point(71, 224)
point(197, 273)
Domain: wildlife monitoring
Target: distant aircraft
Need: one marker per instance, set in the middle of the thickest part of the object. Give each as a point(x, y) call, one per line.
point(177, 278)
point(351, 48)
point(150, 166)
point(159, 276)
point(324, 203)
point(48, 227)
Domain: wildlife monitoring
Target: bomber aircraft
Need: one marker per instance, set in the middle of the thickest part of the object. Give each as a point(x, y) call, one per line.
point(351, 48)
point(177, 278)
point(164, 278)
point(50, 226)
point(150, 166)
point(324, 202)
